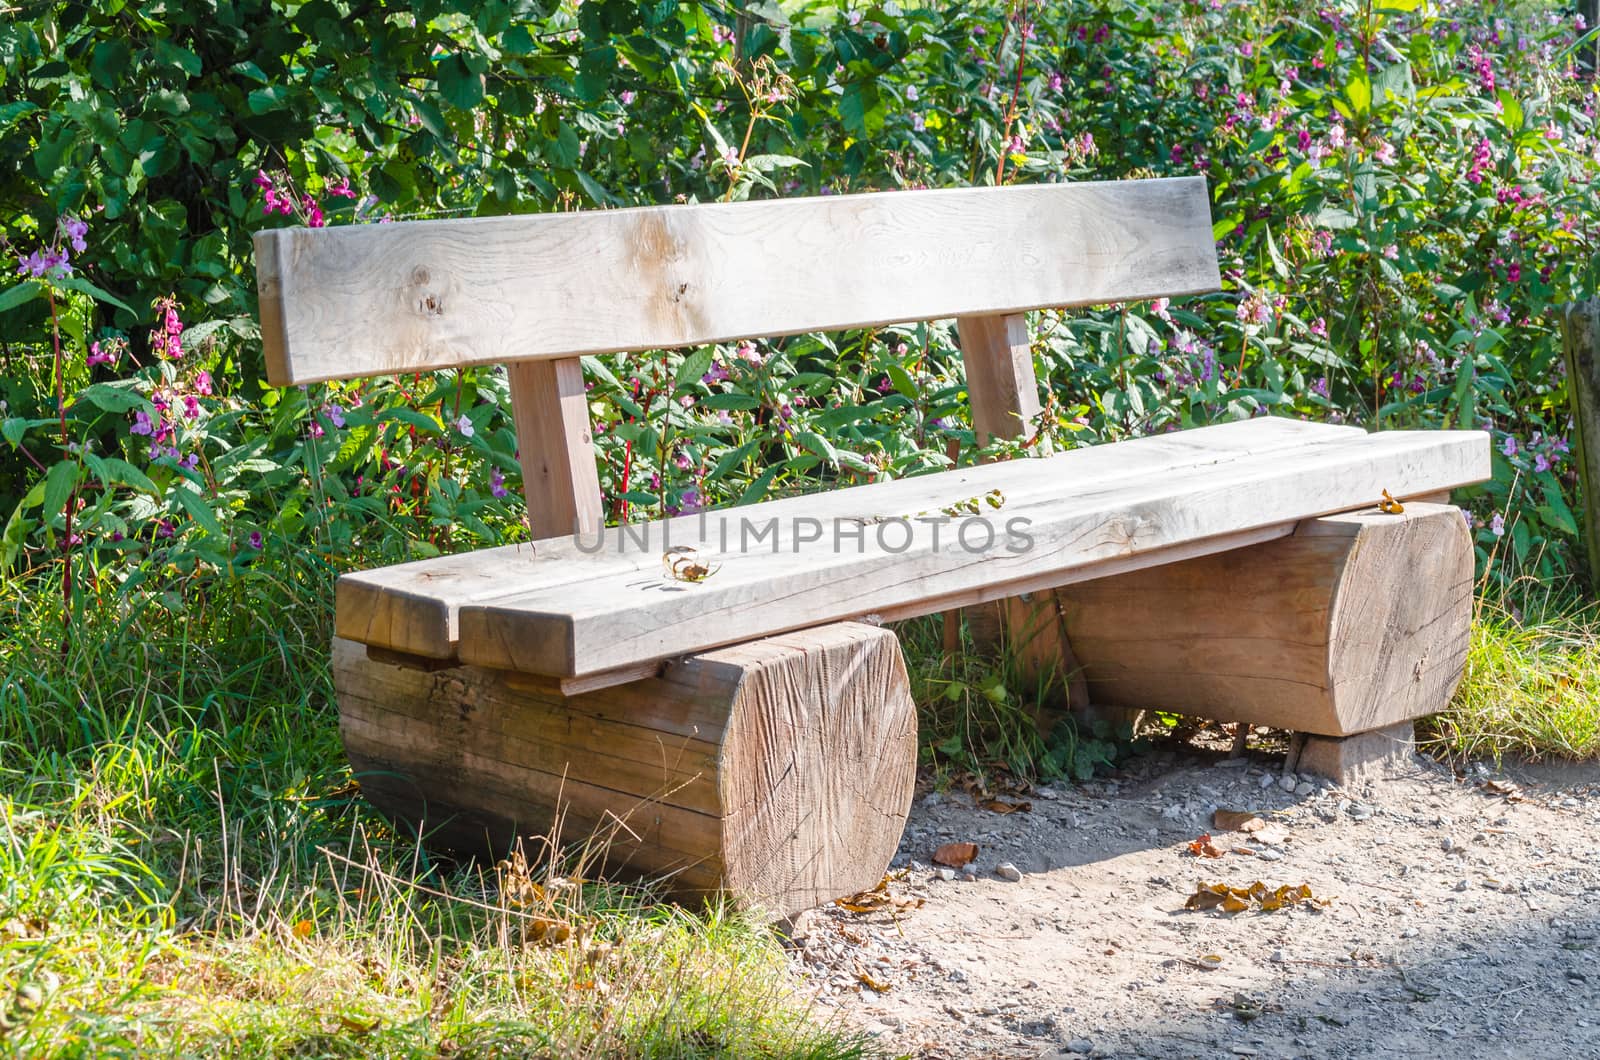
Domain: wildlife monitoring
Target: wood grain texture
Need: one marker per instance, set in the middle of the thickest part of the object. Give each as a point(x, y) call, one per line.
point(1354, 622)
point(415, 607)
point(779, 770)
point(621, 619)
point(417, 295)
point(1001, 388)
point(559, 477)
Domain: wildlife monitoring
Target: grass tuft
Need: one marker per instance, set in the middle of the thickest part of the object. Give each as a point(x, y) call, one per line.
point(1532, 682)
point(185, 870)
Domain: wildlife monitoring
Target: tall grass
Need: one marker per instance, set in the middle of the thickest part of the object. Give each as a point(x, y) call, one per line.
point(185, 870)
point(1532, 682)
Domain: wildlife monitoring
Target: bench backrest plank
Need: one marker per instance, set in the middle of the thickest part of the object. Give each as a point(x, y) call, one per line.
point(412, 296)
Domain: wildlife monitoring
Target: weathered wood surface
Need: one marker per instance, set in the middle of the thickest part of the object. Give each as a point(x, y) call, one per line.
point(559, 476)
point(1580, 331)
point(1355, 622)
point(1083, 522)
point(780, 770)
point(418, 295)
point(415, 607)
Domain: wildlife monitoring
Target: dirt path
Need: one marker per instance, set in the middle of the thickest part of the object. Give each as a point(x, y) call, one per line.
point(1465, 921)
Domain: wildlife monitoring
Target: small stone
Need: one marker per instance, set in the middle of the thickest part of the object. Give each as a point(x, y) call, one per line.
point(1080, 1045)
point(969, 877)
point(1287, 782)
point(1447, 844)
point(1268, 854)
point(1410, 933)
point(947, 875)
point(1280, 955)
point(1360, 812)
point(1462, 885)
point(932, 798)
point(1305, 787)
point(1049, 794)
point(1007, 871)
point(1267, 780)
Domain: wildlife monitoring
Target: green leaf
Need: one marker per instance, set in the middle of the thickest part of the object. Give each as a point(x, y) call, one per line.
point(458, 84)
point(11, 113)
point(758, 489)
point(21, 294)
point(1358, 90)
point(199, 510)
point(58, 484)
point(694, 366)
point(114, 397)
point(816, 443)
point(901, 379)
point(83, 286)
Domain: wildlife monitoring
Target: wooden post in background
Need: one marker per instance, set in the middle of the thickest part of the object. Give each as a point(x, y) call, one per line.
point(1580, 334)
point(1005, 404)
point(1589, 54)
point(559, 476)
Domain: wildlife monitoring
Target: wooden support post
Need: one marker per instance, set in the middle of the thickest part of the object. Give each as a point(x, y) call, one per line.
point(1589, 54)
point(1580, 332)
point(780, 770)
point(1354, 622)
point(559, 476)
point(1004, 393)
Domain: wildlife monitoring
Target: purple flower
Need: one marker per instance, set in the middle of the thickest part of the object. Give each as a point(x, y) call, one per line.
point(463, 425)
point(164, 528)
point(141, 424)
point(336, 415)
point(1509, 446)
point(497, 483)
point(45, 263)
point(1497, 525)
point(255, 540)
point(75, 229)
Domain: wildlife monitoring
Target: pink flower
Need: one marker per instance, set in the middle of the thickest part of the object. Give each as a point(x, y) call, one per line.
point(1391, 252)
point(74, 229)
point(464, 425)
point(202, 383)
point(314, 217)
point(1384, 152)
point(341, 189)
point(1319, 328)
point(101, 354)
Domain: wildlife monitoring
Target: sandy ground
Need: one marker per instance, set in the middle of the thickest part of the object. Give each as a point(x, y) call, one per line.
point(1464, 919)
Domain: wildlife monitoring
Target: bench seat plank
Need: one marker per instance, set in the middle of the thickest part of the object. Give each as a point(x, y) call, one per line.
point(551, 608)
point(413, 608)
point(1086, 522)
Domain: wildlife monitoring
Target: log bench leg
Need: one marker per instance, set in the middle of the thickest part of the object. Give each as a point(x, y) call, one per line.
point(1345, 759)
point(780, 770)
point(1355, 622)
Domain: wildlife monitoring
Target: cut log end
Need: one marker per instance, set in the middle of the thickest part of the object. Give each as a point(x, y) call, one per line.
point(1355, 622)
point(779, 771)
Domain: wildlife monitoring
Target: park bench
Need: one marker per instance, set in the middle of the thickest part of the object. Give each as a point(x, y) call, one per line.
point(714, 695)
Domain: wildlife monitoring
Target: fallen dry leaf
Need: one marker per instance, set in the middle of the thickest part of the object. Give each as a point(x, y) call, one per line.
point(956, 855)
point(302, 929)
point(875, 985)
point(1258, 895)
point(1204, 848)
point(541, 931)
point(1003, 806)
point(357, 1027)
point(1237, 821)
point(878, 898)
point(1272, 835)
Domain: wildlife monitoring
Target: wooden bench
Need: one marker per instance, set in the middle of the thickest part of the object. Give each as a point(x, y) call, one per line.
point(753, 730)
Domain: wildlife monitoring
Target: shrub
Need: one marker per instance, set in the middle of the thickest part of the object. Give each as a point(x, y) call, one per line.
point(1400, 194)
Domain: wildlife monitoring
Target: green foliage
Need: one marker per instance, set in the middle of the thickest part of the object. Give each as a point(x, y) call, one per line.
point(1400, 195)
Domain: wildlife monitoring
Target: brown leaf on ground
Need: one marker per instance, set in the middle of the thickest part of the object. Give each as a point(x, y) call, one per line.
point(1205, 848)
point(1271, 835)
point(878, 899)
point(358, 1027)
point(542, 931)
point(956, 855)
point(875, 985)
point(1229, 899)
point(1236, 821)
point(1507, 788)
point(1003, 806)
